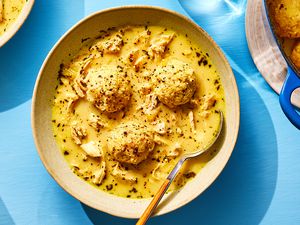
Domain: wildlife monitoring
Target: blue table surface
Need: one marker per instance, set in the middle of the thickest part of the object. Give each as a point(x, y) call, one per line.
point(260, 184)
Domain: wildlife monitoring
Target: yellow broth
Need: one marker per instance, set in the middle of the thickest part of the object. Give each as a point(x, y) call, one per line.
point(208, 82)
point(11, 11)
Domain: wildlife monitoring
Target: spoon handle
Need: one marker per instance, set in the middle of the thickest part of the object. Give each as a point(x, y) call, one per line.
point(156, 199)
point(158, 196)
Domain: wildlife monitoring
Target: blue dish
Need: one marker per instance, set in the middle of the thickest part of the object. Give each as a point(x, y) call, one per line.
point(292, 81)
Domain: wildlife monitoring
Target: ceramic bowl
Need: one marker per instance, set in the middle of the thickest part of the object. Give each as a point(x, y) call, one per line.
point(44, 91)
point(12, 30)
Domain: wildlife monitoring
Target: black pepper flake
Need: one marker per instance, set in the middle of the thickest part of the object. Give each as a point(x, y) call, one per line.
point(109, 187)
point(214, 104)
point(200, 61)
point(281, 6)
point(189, 174)
point(133, 190)
point(66, 152)
point(60, 72)
point(84, 39)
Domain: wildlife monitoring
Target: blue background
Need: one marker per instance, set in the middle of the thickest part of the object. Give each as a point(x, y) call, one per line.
point(260, 184)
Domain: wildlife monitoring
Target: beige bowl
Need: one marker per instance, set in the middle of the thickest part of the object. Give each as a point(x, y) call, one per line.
point(44, 92)
point(12, 30)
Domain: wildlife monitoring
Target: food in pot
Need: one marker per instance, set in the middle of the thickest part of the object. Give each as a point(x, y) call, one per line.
point(286, 16)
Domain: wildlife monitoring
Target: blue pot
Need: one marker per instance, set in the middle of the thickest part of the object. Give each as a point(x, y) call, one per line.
point(292, 80)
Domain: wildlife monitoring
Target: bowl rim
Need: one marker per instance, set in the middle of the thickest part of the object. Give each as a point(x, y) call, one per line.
point(220, 54)
point(16, 26)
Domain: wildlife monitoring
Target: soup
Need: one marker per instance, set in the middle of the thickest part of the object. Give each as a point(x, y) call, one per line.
point(9, 12)
point(130, 102)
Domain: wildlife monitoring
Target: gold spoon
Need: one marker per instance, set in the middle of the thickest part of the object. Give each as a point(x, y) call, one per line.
point(164, 187)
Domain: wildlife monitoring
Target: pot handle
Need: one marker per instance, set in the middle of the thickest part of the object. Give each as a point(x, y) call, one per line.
point(292, 82)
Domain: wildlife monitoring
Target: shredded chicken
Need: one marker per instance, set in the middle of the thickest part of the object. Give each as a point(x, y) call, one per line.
point(158, 173)
point(187, 52)
point(79, 86)
point(75, 165)
point(71, 97)
point(160, 140)
point(158, 45)
point(78, 132)
point(175, 150)
point(138, 59)
point(150, 106)
point(114, 44)
point(65, 81)
point(84, 172)
point(100, 174)
point(133, 55)
point(179, 131)
point(141, 61)
point(120, 173)
point(192, 121)
point(84, 157)
point(160, 128)
point(125, 28)
point(92, 149)
point(195, 102)
point(68, 72)
point(146, 89)
point(146, 75)
point(143, 38)
point(152, 115)
point(174, 118)
point(205, 114)
point(151, 103)
point(209, 102)
point(96, 122)
point(86, 66)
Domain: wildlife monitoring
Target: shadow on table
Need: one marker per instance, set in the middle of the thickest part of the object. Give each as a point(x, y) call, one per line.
point(22, 57)
point(5, 217)
point(243, 192)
